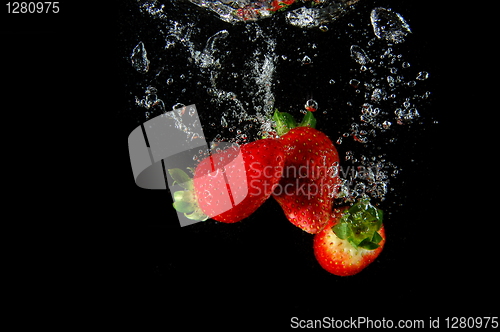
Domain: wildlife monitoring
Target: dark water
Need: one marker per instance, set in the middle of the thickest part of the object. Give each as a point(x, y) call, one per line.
point(65, 76)
point(382, 102)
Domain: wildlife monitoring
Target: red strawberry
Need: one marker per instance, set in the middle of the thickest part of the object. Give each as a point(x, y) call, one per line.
point(230, 185)
point(310, 178)
point(352, 240)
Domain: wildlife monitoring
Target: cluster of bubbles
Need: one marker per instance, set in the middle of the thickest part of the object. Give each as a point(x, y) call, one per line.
point(385, 85)
point(249, 107)
point(385, 82)
point(387, 94)
point(365, 176)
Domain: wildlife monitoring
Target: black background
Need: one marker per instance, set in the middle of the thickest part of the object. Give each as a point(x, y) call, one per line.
point(102, 246)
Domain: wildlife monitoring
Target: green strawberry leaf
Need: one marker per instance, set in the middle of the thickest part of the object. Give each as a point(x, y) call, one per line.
point(181, 178)
point(308, 121)
point(184, 207)
point(179, 195)
point(360, 225)
point(367, 244)
point(376, 238)
point(342, 230)
point(185, 201)
point(197, 215)
point(284, 122)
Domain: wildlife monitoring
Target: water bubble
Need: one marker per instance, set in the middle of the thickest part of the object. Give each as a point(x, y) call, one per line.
point(151, 100)
point(359, 55)
point(178, 106)
point(332, 81)
point(406, 65)
point(354, 83)
point(423, 75)
point(191, 111)
point(139, 58)
point(304, 17)
point(306, 60)
point(389, 25)
point(223, 122)
point(170, 81)
point(406, 115)
point(311, 105)
point(378, 95)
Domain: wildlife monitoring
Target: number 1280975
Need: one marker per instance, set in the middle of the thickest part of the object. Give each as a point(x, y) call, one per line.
point(45, 7)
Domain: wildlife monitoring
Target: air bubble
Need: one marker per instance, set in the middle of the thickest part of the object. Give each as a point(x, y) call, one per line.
point(311, 105)
point(389, 25)
point(423, 75)
point(359, 55)
point(139, 58)
point(177, 106)
point(223, 122)
point(306, 60)
point(354, 83)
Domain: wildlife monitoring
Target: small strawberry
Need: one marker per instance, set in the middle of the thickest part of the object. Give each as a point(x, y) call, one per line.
point(230, 185)
point(352, 240)
point(310, 178)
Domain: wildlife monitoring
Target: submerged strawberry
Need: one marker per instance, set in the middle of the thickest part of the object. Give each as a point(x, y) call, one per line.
point(352, 240)
point(310, 178)
point(230, 185)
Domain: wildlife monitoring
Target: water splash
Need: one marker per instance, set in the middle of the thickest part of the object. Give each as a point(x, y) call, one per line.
point(139, 58)
point(359, 55)
point(324, 11)
point(387, 90)
point(153, 105)
point(389, 25)
point(236, 68)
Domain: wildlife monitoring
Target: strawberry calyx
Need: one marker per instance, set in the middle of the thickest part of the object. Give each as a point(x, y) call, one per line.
point(185, 200)
point(285, 121)
point(360, 225)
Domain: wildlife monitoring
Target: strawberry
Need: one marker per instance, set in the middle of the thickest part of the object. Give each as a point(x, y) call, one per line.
point(231, 184)
point(352, 240)
point(310, 177)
